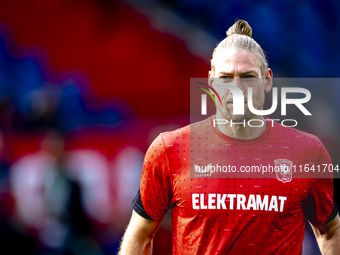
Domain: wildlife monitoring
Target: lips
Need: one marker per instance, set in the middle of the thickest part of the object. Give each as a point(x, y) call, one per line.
point(230, 102)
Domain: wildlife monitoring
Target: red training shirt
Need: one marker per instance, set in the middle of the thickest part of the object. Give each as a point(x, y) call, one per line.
point(235, 212)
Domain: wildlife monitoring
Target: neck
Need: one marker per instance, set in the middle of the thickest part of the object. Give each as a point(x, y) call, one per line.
point(240, 131)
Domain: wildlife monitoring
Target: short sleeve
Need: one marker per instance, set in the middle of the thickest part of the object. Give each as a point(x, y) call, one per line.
point(319, 202)
point(155, 192)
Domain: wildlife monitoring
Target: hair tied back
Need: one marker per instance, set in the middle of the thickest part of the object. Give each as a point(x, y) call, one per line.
point(240, 27)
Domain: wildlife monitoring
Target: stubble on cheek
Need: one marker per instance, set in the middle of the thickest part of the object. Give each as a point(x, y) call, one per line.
point(227, 112)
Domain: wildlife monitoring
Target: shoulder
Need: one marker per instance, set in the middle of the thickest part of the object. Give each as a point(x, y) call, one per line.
point(182, 135)
point(294, 135)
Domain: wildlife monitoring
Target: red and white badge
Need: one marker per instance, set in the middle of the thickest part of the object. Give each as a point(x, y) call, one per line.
point(284, 169)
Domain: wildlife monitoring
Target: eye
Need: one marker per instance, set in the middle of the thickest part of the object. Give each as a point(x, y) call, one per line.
point(248, 76)
point(226, 77)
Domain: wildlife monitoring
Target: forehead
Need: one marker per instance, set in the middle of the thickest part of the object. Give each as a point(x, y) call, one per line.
point(231, 60)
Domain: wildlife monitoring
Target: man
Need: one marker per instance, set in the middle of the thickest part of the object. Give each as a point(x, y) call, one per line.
point(235, 213)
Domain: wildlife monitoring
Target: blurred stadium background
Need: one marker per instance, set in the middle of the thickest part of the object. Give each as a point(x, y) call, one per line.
point(86, 85)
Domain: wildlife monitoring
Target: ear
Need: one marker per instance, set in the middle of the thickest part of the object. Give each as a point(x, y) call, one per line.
point(269, 80)
point(210, 81)
point(211, 78)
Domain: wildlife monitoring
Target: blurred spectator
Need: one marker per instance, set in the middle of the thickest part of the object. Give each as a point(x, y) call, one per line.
point(41, 107)
point(90, 169)
point(49, 201)
point(126, 169)
point(13, 238)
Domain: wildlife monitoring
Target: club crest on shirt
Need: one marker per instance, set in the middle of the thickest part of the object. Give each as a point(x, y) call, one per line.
point(284, 171)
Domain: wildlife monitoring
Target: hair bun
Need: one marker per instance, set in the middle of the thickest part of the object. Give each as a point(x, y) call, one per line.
point(240, 27)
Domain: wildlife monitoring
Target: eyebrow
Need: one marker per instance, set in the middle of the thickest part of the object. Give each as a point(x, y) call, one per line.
point(241, 74)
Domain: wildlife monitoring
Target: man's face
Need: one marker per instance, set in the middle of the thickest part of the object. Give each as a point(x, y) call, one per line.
point(242, 69)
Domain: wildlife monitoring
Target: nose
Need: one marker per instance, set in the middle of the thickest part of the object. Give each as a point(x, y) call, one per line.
point(238, 83)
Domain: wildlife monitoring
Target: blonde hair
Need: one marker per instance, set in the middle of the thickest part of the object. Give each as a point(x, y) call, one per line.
point(239, 37)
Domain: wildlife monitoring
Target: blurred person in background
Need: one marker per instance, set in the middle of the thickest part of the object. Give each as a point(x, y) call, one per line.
point(49, 202)
point(14, 239)
point(41, 106)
